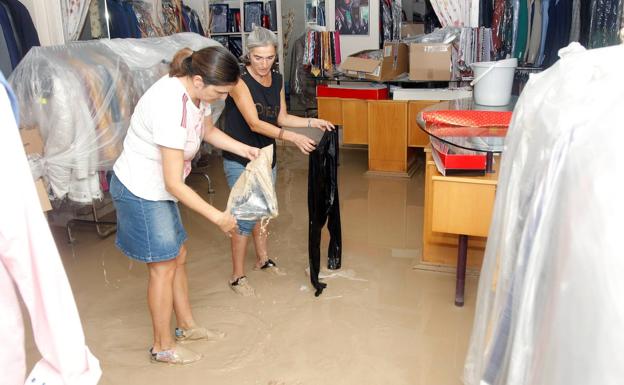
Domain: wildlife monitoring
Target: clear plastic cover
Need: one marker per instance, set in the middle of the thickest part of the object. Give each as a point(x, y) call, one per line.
point(253, 195)
point(605, 22)
point(549, 307)
point(444, 35)
point(81, 95)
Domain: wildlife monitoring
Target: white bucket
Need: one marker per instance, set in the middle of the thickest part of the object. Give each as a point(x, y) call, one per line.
point(493, 81)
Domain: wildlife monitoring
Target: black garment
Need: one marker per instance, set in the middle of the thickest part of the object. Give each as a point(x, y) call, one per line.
point(267, 100)
point(558, 34)
point(323, 205)
point(26, 33)
point(486, 13)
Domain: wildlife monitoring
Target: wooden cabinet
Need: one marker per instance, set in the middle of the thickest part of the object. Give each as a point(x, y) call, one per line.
point(330, 109)
point(456, 205)
point(354, 121)
point(416, 136)
point(387, 138)
point(389, 128)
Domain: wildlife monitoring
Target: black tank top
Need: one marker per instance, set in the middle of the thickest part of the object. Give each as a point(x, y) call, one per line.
point(267, 100)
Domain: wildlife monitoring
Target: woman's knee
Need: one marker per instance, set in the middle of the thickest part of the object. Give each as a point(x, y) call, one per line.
point(181, 258)
point(162, 270)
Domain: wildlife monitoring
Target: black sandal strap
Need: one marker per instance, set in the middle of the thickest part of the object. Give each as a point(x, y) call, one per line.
point(235, 283)
point(268, 263)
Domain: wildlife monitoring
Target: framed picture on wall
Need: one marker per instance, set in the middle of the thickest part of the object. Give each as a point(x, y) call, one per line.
point(219, 18)
point(253, 14)
point(234, 19)
point(352, 17)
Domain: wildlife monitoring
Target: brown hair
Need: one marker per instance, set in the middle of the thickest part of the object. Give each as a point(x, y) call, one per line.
point(216, 65)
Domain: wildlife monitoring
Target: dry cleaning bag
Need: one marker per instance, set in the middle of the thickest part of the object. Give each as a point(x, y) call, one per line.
point(253, 195)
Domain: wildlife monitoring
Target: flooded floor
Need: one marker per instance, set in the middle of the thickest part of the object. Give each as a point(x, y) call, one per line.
point(378, 322)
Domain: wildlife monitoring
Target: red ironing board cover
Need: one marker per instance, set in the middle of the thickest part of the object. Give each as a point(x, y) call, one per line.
point(467, 118)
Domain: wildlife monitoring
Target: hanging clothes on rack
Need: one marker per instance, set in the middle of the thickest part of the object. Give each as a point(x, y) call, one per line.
point(322, 51)
point(534, 311)
point(324, 207)
point(74, 17)
point(147, 25)
point(535, 34)
point(604, 25)
point(18, 34)
point(102, 80)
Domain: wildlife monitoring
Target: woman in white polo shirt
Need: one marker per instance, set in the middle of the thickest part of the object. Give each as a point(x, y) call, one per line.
point(166, 129)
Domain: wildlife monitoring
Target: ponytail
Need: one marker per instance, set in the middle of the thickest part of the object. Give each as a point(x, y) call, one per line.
point(215, 64)
point(181, 63)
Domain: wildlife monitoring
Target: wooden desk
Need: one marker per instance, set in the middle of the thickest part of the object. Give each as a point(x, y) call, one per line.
point(456, 207)
point(388, 127)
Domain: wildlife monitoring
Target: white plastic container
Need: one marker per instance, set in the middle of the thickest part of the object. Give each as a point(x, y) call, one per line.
point(493, 81)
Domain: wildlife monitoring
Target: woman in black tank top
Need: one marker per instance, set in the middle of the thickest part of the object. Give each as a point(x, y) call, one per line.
point(255, 113)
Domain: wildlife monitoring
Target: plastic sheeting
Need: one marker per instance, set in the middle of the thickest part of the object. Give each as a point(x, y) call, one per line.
point(605, 23)
point(302, 86)
point(549, 308)
point(253, 196)
point(81, 96)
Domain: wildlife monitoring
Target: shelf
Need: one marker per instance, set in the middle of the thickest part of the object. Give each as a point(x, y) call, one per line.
point(228, 33)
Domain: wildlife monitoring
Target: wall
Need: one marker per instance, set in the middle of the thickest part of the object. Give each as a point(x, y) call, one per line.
point(298, 7)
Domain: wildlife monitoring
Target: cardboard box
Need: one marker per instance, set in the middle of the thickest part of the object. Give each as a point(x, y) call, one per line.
point(430, 61)
point(412, 29)
point(33, 144)
point(392, 63)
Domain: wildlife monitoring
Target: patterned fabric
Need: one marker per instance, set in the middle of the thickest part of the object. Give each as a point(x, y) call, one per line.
point(74, 17)
point(95, 19)
point(171, 21)
point(147, 25)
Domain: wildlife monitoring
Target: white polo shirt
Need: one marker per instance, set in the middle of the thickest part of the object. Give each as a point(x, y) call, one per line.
point(164, 116)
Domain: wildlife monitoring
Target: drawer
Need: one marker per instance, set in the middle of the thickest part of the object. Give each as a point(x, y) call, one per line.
point(461, 207)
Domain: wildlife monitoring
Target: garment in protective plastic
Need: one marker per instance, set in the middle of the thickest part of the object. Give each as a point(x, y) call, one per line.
point(324, 206)
point(81, 96)
point(302, 86)
point(30, 265)
point(253, 195)
point(605, 23)
point(549, 308)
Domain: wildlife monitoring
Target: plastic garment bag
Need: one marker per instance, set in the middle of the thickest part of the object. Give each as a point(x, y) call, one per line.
point(549, 308)
point(81, 95)
point(324, 206)
point(605, 22)
point(32, 278)
point(253, 195)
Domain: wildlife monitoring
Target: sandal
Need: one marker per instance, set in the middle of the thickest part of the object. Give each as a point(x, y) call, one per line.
point(197, 333)
point(241, 286)
point(270, 267)
point(176, 356)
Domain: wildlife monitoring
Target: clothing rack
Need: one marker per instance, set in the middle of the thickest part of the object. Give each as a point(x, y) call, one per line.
point(321, 51)
point(102, 80)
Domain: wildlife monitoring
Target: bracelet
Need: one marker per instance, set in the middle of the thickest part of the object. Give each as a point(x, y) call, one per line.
point(281, 134)
point(309, 122)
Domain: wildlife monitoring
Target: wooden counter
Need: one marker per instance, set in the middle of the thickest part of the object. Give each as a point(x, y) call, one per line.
point(388, 127)
point(456, 208)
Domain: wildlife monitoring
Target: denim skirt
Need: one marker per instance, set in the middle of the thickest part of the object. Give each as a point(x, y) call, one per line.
point(147, 231)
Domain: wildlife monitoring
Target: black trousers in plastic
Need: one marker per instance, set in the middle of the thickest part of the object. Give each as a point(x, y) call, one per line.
point(324, 206)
